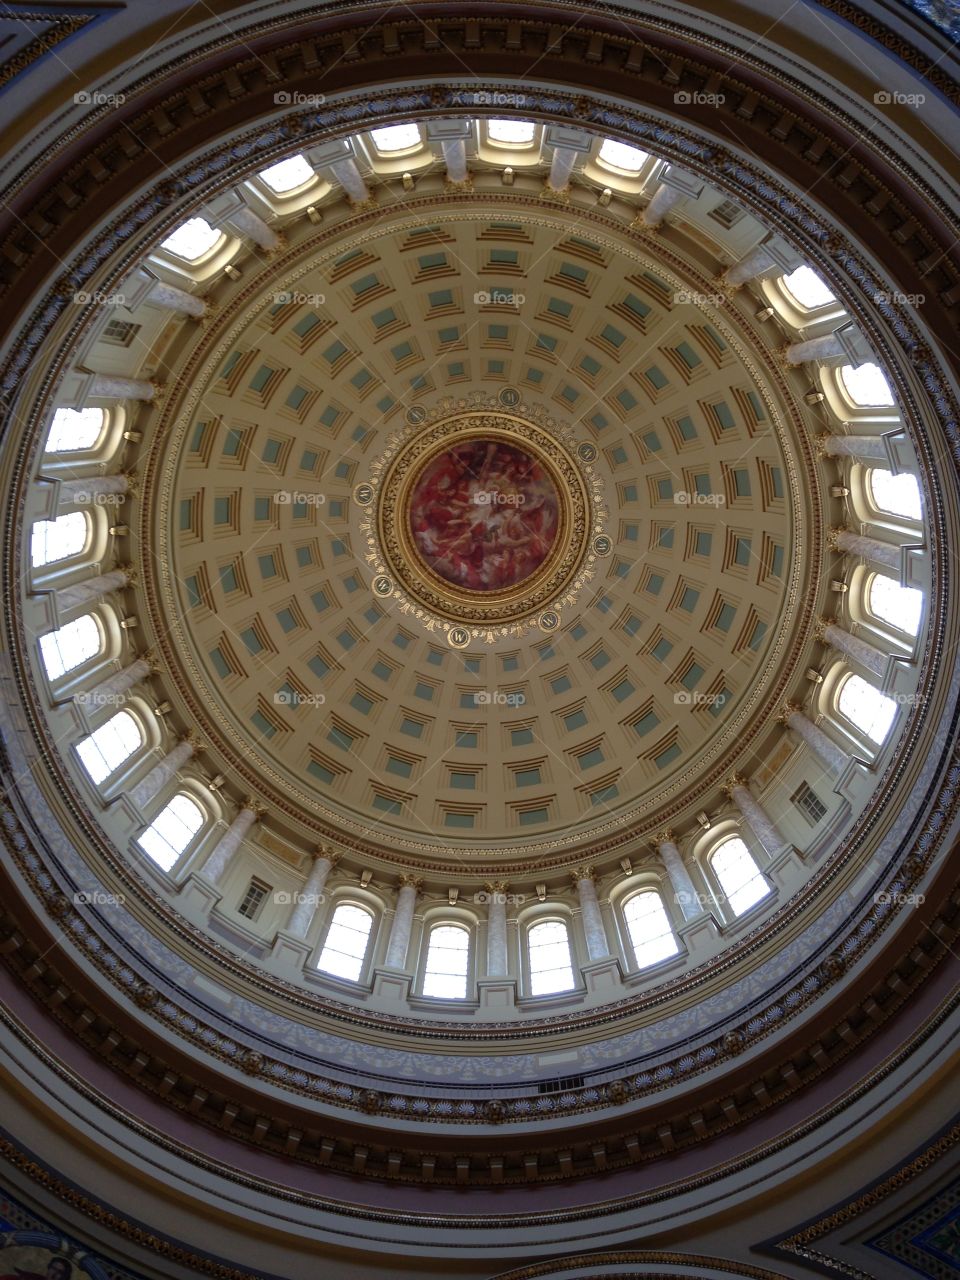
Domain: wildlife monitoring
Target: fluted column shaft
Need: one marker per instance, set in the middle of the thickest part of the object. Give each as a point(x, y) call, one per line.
point(116, 685)
point(160, 774)
point(870, 548)
point(250, 224)
point(171, 298)
point(756, 816)
point(311, 895)
point(91, 590)
point(497, 931)
point(867, 655)
point(683, 891)
point(228, 844)
point(595, 933)
point(455, 158)
point(401, 928)
point(829, 753)
point(109, 386)
point(349, 177)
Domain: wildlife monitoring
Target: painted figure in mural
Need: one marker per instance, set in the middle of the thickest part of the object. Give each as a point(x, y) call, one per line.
point(484, 515)
point(57, 1268)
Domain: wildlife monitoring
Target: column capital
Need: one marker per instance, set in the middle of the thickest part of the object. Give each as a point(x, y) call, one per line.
point(789, 709)
point(325, 851)
point(129, 571)
point(193, 740)
point(733, 782)
point(585, 872)
point(496, 886)
point(822, 442)
point(149, 656)
point(834, 535)
point(665, 836)
point(820, 628)
point(412, 881)
point(254, 807)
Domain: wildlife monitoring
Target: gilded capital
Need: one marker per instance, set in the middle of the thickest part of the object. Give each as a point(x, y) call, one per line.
point(666, 836)
point(413, 881)
point(789, 709)
point(735, 780)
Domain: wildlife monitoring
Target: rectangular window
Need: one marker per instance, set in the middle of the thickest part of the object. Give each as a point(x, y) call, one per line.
point(251, 904)
point(809, 804)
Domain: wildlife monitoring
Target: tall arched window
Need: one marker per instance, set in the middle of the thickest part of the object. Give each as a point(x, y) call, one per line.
point(395, 137)
point(73, 644)
point(288, 174)
point(74, 429)
point(901, 607)
point(548, 952)
point(192, 239)
point(866, 707)
point(448, 960)
point(172, 830)
point(866, 386)
point(807, 289)
point(515, 131)
point(620, 155)
point(345, 945)
point(900, 494)
point(107, 747)
point(59, 539)
point(649, 928)
point(738, 875)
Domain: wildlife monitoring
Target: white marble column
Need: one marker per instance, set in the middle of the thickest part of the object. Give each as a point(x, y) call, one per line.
point(662, 201)
point(171, 298)
point(252, 226)
point(348, 175)
point(455, 158)
point(867, 655)
point(871, 448)
point(823, 746)
point(401, 928)
point(772, 258)
point(73, 493)
point(108, 386)
point(220, 856)
point(92, 589)
point(148, 787)
point(311, 895)
point(684, 893)
point(561, 167)
point(756, 816)
point(116, 685)
point(855, 544)
point(496, 929)
point(845, 345)
point(597, 946)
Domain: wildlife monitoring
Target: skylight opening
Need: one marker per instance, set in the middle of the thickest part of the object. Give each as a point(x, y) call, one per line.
point(807, 289)
point(171, 831)
point(192, 240)
point(866, 707)
point(739, 876)
point(620, 155)
point(73, 644)
point(396, 137)
point(900, 494)
point(288, 175)
point(74, 429)
point(514, 131)
point(901, 607)
point(105, 750)
point(866, 386)
point(53, 540)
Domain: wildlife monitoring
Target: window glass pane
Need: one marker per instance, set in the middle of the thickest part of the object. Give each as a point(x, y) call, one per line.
point(649, 928)
point(287, 175)
point(866, 386)
point(193, 239)
point(866, 707)
point(622, 156)
point(900, 606)
point(448, 957)
point(548, 947)
point(510, 130)
point(346, 942)
point(171, 831)
point(738, 875)
point(806, 288)
point(107, 748)
point(900, 495)
point(58, 539)
point(77, 642)
point(396, 137)
point(73, 429)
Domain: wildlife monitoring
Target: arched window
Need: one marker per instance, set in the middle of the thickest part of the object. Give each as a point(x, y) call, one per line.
point(866, 707)
point(58, 539)
point(448, 959)
point(807, 289)
point(515, 131)
point(548, 951)
point(900, 495)
point(866, 386)
point(192, 239)
point(107, 747)
point(620, 155)
point(288, 174)
point(395, 137)
point(901, 607)
point(649, 928)
point(172, 830)
point(738, 875)
point(345, 945)
point(75, 643)
point(74, 429)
